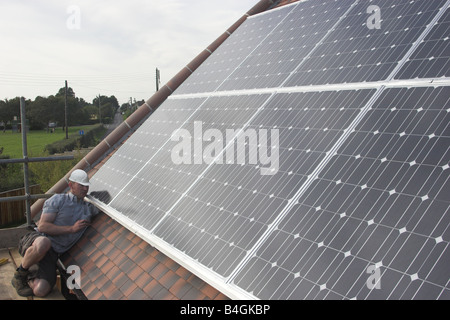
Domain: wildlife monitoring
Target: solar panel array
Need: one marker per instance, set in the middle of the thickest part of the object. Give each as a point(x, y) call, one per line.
point(317, 164)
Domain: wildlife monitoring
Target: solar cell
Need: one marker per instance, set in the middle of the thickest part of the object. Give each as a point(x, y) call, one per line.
point(271, 63)
point(246, 201)
point(380, 202)
point(130, 158)
point(431, 59)
point(156, 173)
point(353, 52)
point(209, 76)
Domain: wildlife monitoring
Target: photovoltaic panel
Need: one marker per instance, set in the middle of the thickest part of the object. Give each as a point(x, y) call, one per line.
point(359, 191)
point(353, 52)
point(231, 53)
point(270, 64)
point(139, 148)
point(431, 59)
point(233, 204)
point(382, 201)
point(157, 174)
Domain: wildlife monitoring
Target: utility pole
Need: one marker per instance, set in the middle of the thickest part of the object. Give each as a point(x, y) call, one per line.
point(25, 159)
point(99, 109)
point(158, 79)
point(65, 113)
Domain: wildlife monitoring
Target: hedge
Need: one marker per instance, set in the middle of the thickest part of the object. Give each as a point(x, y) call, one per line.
point(90, 138)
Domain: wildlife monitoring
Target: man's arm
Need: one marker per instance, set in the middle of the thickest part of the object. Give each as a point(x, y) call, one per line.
point(47, 226)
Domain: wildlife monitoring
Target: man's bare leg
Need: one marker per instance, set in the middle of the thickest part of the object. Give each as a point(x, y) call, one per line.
point(36, 252)
point(40, 287)
point(32, 256)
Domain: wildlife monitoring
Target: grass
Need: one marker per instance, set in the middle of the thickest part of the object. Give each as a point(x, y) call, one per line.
point(36, 141)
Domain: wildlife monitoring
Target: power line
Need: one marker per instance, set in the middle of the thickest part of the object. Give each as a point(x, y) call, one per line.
point(98, 82)
point(38, 79)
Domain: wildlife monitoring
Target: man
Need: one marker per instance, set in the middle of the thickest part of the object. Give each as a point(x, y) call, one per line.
point(64, 219)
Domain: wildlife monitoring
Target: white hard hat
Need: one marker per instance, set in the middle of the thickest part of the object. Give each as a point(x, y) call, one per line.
point(81, 177)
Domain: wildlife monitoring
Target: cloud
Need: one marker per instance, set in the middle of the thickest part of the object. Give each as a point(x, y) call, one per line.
point(116, 48)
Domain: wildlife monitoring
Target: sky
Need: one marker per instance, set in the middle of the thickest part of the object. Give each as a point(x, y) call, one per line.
point(106, 47)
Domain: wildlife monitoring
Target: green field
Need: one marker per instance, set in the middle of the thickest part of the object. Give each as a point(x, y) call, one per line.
point(36, 140)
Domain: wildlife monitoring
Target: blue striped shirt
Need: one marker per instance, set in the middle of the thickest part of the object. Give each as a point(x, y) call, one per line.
point(68, 210)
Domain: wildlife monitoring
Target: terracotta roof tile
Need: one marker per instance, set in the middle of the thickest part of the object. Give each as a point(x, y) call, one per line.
point(143, 280)
point(128, 287)
point(89, 266)
point(116, 264)
point(108, 289)
point(98, 258)
point(134, 273)
point(102, 243)
point(221, 296)
point(159, 271)
point(107, 266)
point(169, 279)
point(127, 265)
point(109, 250)
point(90, 289)
point(152, 288)
point(140, 257)
point(97, 295)
point(164, 294)
point(194, 294)
point(120, 279)
point(180, 288)
point(133, 252)
point(119, 257)
point(172, 265)
point(112, 234)
point(196, 282)
point(143, 245)
point(113, 273)
point(82, 242)
point(209, 291)
point(101, 281)
point(183, 273)
point(92, 275)
point(138, 294)
point(149, 263)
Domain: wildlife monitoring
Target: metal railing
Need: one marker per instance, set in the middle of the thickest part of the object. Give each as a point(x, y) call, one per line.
point(28, 197)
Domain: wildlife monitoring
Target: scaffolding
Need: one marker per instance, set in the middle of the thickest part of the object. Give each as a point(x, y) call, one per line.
point(25, 160)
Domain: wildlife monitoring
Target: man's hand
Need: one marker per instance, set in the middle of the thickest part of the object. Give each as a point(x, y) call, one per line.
point(79, 225)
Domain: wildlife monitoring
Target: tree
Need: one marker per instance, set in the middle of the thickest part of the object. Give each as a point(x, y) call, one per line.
point(40, 114)
point(62, 92)
point(45, 110)
point(108, 107)
point(9, 109)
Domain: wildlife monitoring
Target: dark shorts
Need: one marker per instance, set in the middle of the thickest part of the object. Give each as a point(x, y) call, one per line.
point(47, 266)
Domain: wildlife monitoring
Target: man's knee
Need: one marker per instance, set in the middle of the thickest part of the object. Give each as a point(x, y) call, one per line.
point(42, 245)
point(41, 288)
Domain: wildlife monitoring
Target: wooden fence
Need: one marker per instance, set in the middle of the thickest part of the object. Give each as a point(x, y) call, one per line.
point(13, 213)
